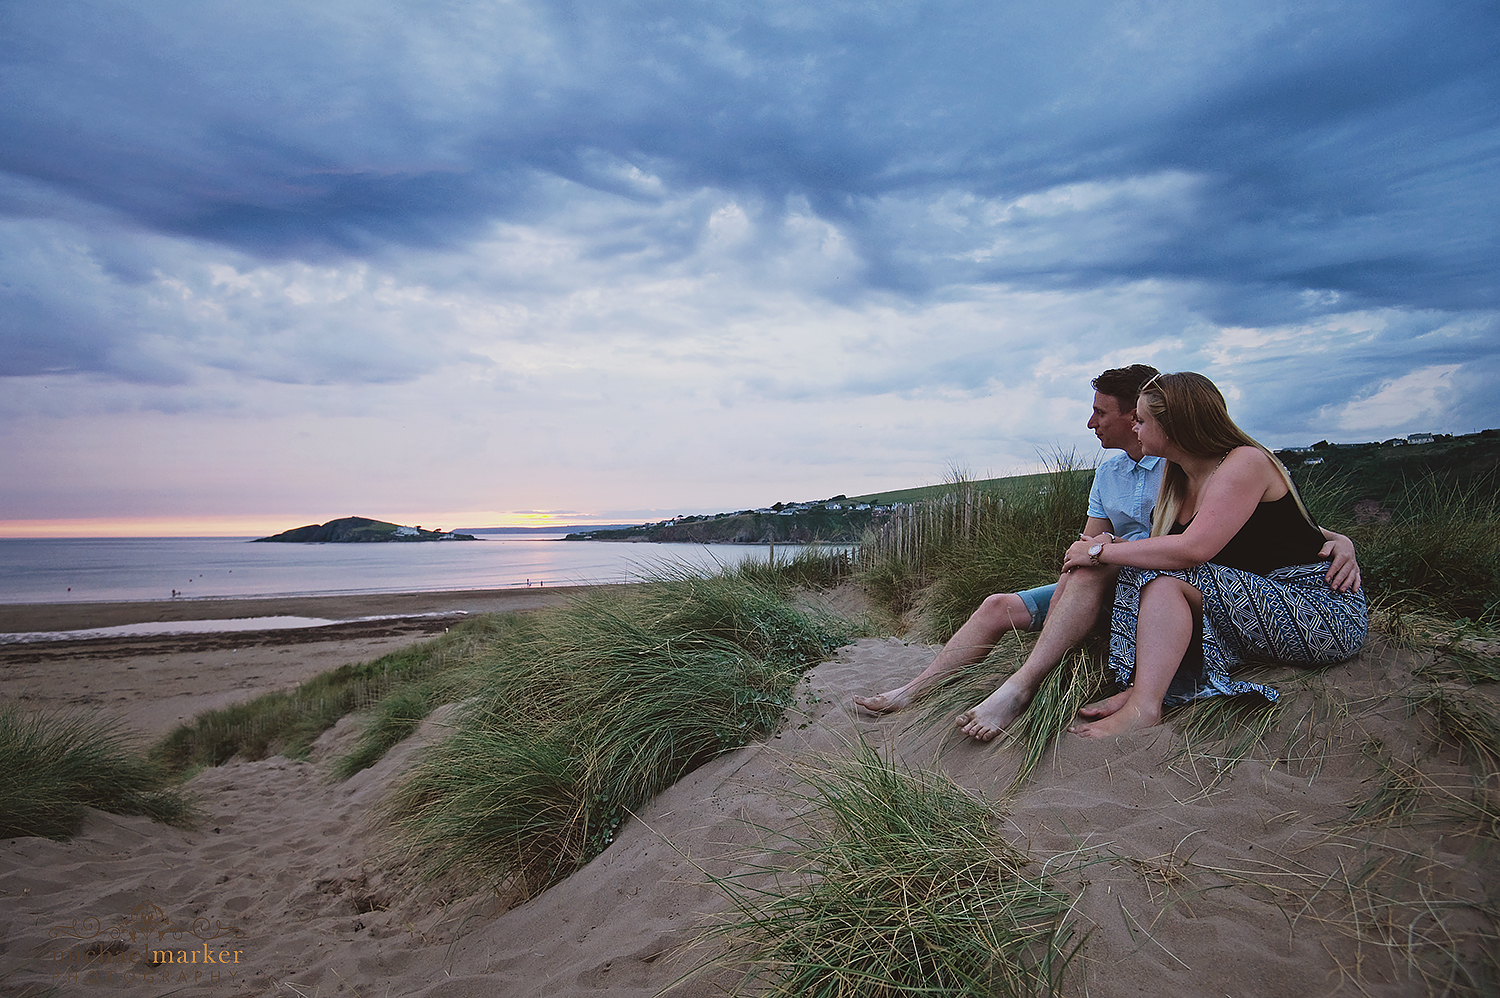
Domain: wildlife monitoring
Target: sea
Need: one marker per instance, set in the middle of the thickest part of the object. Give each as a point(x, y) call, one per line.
point(78, 570)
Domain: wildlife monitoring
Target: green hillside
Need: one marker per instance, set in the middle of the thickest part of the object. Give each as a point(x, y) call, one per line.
point(1352, 481)
point(1380, 472)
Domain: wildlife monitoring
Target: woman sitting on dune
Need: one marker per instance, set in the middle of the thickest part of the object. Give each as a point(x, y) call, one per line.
point(1230, 572)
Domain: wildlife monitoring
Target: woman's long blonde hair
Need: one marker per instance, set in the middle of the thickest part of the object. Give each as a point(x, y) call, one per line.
point(1193, 415)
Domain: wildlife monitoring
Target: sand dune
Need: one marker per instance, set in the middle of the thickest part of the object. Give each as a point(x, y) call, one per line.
point(1185, 884)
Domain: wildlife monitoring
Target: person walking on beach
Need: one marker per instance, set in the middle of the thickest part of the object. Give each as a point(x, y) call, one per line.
point(1232, 569)
point(1121, 500)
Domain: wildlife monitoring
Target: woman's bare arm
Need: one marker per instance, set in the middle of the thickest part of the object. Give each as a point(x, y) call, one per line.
point(1228, 500)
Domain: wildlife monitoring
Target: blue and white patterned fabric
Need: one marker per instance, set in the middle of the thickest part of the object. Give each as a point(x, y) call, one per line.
point(1292, 615)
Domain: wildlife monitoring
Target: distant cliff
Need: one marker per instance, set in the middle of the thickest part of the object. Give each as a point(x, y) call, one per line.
point(361, 530)
point(831, 521)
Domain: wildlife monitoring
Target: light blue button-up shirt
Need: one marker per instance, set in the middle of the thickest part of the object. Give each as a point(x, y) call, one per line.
point(1124, 493)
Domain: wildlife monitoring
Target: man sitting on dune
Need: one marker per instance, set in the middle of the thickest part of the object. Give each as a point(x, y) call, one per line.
point(1120, 504)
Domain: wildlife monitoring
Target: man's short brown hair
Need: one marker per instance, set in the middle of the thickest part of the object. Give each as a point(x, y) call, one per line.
point(1124, 383)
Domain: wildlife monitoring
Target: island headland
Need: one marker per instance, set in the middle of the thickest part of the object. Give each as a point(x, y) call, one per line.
point(360, 530)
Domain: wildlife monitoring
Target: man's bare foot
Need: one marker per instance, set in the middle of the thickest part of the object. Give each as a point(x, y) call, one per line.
point(1124, 718)
point(989, 717)
point(897, 699)
point(1105, 707)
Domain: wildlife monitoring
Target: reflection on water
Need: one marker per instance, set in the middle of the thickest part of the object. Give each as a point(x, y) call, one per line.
point(157, 628)
point(77, 570)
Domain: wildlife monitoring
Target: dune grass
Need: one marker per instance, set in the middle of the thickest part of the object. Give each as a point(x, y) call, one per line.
point(288, 722)
point(809, 566)
point(589, 710)
point(1439, 552)
point(1217, 734)
point(1433, 565)
point(943, 557)
point(572, 716)
point(54, 764)
point(1081, 678)
point(1395, 798)
point(895, 883)
point(427, 676)
point(1455, 661)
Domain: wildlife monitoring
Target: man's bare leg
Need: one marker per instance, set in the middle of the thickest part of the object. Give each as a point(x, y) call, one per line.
point(997, 615)
point(1164, 630)
point(1073, 612)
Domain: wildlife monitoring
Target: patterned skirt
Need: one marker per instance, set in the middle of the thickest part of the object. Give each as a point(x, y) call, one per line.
point(1292, 615)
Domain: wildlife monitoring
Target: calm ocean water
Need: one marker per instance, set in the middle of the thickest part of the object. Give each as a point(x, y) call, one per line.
point(75, 570)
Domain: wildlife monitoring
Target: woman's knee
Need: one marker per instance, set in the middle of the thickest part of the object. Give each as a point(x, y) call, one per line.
point(1169, 588)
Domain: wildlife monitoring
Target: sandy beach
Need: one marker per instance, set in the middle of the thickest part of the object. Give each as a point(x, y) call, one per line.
point(1187, 880)
point(156, 683)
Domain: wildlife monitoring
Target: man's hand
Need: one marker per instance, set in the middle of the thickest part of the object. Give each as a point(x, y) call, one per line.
point(1343, 573)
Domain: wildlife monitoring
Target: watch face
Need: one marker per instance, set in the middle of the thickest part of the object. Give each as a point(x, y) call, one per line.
point(1096, 550)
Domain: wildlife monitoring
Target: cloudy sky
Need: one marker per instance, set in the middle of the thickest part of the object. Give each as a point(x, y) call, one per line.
point(469, 263)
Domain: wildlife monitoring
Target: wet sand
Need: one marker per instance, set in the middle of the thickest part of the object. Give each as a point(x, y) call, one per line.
point(19, 617)
point(155, 682)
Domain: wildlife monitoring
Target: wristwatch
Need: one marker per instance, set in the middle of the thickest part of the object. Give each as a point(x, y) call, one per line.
point(1095, 552)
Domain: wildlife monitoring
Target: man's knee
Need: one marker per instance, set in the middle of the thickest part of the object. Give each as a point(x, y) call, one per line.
point(1005, 611)
point(1093, 578)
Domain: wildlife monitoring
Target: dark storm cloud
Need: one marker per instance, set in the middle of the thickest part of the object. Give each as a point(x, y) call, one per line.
point(1341, 146)
point(41, 337)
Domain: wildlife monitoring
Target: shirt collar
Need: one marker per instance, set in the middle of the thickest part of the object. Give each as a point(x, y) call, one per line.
point(1149, 462)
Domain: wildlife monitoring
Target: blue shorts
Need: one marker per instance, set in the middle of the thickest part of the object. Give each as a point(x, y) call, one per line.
point(1037, 601)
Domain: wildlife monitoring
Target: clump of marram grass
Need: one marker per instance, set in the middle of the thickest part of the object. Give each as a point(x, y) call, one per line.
point(944, 556)
point(1021, 546)
point(1440, 550)
point(54, 764)
point(425, 677)
point(1081, 678)
point(389, 722)
point(1217, 733)
point(1467, 722)
point(1395, 797)
point(896, 883)
point(1455, 661)
point(809, 566)
point(287, 722)
point(591, 709)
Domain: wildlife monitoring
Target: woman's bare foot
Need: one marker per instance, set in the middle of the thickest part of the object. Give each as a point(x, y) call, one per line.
point(1105, 707)
point(1122, 717)
point(989, 717)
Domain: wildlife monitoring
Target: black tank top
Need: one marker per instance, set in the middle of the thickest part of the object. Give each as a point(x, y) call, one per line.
point(1275, 536)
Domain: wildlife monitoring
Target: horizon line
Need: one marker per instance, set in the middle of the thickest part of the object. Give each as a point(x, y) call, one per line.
point(102, 527)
